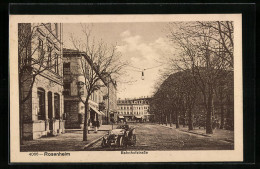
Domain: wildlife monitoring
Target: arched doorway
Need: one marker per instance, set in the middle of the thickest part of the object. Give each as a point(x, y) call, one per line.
point(50, 115)
point(41, 103)
point(57, 105)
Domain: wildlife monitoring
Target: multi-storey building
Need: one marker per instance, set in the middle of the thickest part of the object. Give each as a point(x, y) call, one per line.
point(74, 107)
point(134, 109)
point(40, 79)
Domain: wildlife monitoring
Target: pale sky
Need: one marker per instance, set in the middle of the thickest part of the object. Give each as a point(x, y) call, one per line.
point(143, 45)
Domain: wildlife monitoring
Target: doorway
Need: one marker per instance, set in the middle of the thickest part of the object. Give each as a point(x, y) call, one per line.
point(50, 111)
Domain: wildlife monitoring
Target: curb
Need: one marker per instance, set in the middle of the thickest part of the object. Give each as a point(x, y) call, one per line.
point(188, 131)
point(201, 134)
point(195, 133)
point(93, 142)
point(88, 130)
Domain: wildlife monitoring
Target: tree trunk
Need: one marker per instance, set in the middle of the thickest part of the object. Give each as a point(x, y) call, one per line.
point(166, 120)
point(221, 108)
point(170, 120)
point(20, 113)
point(85, 129)
point(184, 121)
point(177, 120)
point(161, 119)
point(190, 123)
point(209, 114)
point(222, 116)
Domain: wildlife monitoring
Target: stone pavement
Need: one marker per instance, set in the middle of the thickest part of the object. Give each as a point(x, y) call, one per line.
point(69, 141)
point(154, 137)
point(219, 134)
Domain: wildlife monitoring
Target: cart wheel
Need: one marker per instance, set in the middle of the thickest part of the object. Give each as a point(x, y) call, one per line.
point(103, 143)
point(125, 142)
point(120, 141)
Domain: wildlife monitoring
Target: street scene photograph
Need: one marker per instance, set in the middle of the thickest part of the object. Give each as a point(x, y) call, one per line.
point(126, 86)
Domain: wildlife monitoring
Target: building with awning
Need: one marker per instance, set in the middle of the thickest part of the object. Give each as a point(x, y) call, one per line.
point(96, 111)
point(95, 114)
point(121, 117)
point(139, 117)
point(74, 86)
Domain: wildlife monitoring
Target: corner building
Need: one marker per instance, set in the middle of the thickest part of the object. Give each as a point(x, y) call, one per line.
point(73, 107)
point(42, 112)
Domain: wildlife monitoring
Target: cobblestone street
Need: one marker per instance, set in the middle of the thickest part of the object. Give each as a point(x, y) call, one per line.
point(158, 137)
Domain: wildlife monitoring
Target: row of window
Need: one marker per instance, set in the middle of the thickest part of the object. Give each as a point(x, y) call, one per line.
point(52, 60)
point(94, 96)
point(133, 102)
point(126, 108)
point(137, 113)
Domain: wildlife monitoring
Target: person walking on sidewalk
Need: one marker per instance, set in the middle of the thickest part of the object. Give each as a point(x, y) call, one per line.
point(95, 126)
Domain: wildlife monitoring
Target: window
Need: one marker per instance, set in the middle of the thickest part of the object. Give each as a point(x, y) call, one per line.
point(41, 102)
point(66, 68)
point(66, 89)
point(56, 29)
point(40, 49)
point(56, 63)
point(49, 56)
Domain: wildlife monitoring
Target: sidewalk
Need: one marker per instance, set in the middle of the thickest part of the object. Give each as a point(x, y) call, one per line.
point(103, 127)
point(218, 134)
point(69, 141)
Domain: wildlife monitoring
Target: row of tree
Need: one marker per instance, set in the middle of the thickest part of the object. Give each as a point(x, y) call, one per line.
point(179, 101)
point(203, 58)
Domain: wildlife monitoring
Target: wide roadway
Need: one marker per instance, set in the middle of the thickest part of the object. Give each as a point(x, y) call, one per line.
point(157, 137)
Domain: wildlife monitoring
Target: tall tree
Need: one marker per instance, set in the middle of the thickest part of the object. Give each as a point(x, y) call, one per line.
point(205, 48)
point(101, 62)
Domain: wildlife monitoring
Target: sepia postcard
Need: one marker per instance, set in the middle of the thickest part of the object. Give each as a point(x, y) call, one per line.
point(126, 88)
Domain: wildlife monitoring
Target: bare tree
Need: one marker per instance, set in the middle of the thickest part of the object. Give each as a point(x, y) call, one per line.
point(205, 48)
point(101, 62)
point(35, 56)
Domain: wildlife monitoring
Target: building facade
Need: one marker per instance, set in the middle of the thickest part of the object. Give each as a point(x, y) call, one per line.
point(40, 79)
point(74, 108)
point(134, 109)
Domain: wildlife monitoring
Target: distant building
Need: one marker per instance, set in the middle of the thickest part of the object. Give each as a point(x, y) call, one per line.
point(42, 112)
point(137, 109)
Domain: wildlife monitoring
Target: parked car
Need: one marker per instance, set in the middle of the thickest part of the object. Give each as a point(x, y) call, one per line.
point(122, 136)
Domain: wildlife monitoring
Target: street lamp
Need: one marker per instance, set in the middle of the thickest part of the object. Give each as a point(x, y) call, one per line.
point(142, 77)
point(80, 83)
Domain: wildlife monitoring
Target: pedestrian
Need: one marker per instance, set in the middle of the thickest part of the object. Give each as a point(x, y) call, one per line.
point(95, 126)
point(98, 124)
